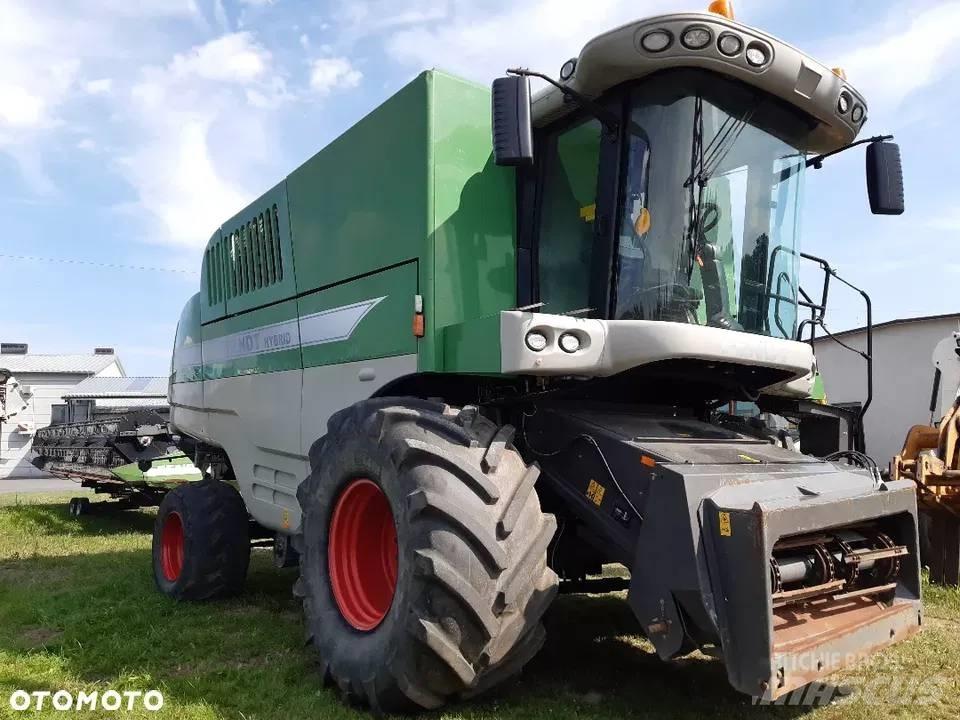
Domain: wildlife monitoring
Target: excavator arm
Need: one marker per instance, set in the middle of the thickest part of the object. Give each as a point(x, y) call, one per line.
point(931, 458)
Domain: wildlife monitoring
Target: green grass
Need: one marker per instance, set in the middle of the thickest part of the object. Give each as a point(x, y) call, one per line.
point(78, 611)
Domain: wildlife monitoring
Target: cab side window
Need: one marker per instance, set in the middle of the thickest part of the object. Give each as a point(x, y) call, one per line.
point(566, 232)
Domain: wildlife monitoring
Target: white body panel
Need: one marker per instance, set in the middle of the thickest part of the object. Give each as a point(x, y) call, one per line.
point(618, 56)
point(187, 411)
point(608, 347)
point(256, 420)
point(329, 388)
point(266, 423)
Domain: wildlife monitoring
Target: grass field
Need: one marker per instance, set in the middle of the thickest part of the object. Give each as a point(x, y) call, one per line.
point(78, 611)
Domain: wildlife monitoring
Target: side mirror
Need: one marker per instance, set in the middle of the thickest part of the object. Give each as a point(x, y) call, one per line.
point(884, 178)
point(512, 127)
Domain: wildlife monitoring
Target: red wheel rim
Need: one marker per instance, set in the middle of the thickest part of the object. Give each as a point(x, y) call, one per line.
point(171, 547)
point(362, 554)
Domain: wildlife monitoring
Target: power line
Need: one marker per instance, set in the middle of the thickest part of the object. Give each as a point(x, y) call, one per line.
point(116, 266)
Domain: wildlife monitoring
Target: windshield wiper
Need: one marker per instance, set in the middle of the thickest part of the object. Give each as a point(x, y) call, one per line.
point(720, 145)
point(695, 189)
point(704, 162)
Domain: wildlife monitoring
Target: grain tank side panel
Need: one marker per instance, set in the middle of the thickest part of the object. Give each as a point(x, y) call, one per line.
point(474, 222)
point(257, 253)
point(361, 203)
point(212, 291)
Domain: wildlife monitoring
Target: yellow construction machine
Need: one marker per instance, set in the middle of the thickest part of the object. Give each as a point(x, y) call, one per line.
point(931, 458)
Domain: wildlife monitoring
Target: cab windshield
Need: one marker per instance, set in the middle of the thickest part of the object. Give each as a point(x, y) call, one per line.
point(707, 224)
point(710, 213)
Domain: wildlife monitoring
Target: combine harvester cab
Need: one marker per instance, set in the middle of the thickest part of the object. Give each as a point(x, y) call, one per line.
point(452, 385)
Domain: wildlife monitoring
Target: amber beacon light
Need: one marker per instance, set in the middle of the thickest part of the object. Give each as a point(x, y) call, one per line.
point(721, 7)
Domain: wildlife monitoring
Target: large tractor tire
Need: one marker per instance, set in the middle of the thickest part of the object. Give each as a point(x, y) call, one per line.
point(424, 559)
point(201, 543)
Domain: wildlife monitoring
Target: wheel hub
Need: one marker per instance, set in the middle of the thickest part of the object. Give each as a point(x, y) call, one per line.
point(362, 554)
point(171, 547)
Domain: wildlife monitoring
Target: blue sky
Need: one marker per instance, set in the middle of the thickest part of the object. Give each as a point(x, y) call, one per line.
point(130, 130)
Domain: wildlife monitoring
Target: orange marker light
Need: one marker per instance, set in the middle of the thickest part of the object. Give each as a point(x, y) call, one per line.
point(840, 73)
point(721, 7)
point(418, 328)
point(648, 461)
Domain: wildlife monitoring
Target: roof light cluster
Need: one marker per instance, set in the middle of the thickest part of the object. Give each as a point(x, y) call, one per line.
point(844, 104)
point(701, 38)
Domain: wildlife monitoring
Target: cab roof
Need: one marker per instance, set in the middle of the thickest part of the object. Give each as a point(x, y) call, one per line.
point(621, 55)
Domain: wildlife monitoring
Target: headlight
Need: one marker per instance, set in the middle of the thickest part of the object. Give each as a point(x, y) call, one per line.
point(536, 341)
point(566, 72)
point(757, 55)
point(656, 41)
point(696, 38)
point(857, 114)
point(730, 45)
point(843, 103)
point(569, 342)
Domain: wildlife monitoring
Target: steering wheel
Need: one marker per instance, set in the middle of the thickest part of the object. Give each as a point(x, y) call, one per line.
point(709, 218)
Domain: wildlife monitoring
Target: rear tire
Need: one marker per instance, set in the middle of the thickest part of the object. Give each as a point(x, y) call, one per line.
point(78, 506)
point(201, 543)
point(469, 576)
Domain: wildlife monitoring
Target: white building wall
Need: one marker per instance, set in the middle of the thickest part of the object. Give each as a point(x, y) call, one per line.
point(902, 378)
point(47, 389)
point(111, 370)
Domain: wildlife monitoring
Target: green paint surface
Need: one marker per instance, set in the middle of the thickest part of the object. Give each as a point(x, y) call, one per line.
point(385, 331)
point(474, 235)
point(408, 201)
point(252, 364)
point(258, 238)
point(473, 346)
point(360, 204)
point(188, 336)
point(187, 472)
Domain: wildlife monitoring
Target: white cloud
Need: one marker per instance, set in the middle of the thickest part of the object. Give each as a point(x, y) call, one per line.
point(87, 144)
point(480, 43)
point(235, 58)
point(19, 107)
point(331, 73)
point(905, 53)
point(178, 182)
point(45, 48)
point(101, 86)
point(201, 121)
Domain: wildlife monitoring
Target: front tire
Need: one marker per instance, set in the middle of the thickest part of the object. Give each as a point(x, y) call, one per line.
point(78, 507)
point(424, 564)
point(201, 542)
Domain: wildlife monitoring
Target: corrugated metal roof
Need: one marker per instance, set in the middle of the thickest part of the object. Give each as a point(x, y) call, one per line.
point(79, 363)
point(148, 402)
point(119, 387)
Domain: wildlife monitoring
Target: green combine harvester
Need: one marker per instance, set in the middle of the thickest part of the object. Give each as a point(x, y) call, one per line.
point(459, 360)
